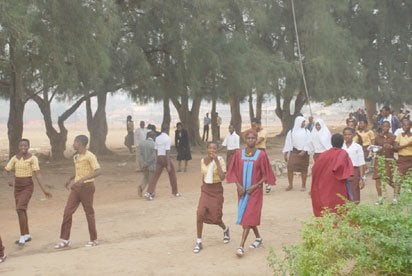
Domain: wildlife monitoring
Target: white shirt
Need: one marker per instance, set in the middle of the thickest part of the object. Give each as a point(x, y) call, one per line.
point(231, 141)
point(388, 119)
point(162, 144)
point(140, 135)
point(400, 131)
point(355, 153)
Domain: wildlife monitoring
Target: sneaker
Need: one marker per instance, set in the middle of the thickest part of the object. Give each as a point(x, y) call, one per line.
point(92, 243)
point(177, 195)
point(197, 247)
point(149, 196)
point(226, 236)
point(268, 188)
point(240, 252)
point(62, 244)
point(3, 258)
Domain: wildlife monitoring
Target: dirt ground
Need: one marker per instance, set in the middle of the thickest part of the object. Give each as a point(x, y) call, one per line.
point(138, 237)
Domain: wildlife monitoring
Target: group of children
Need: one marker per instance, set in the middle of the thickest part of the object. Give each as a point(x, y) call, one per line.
point(80, 184)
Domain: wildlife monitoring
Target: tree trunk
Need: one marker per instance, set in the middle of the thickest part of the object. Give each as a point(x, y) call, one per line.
point(15, 120)
point(189, 118)
point(236, 117)
point(370, 106)
point(97, 125)
point(283, 112)
point(214, 120)
point(166, 112)
point(259, 103)
point(251, 109)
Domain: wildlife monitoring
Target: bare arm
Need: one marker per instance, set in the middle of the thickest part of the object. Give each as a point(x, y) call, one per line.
point(39, 179)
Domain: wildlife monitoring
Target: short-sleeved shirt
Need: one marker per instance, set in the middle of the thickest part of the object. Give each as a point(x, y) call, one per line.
point(403, 140)
point(23, 167)
point(232, 141)
point(210, 173)
point(84, 165)
point(355, 153)
point(262, 134)
point(385, 139)
point(367, 137)
point(162, 144)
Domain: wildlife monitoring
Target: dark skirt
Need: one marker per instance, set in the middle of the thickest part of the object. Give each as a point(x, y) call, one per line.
point(129, 139)
point(210, 208)
point(298, 163)
point(388, 170)
point(183, 153)
point(23, 190)
point(354, 185)
point(404, 164)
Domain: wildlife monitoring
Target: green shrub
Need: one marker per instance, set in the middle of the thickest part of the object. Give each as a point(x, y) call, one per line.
point(366, 239)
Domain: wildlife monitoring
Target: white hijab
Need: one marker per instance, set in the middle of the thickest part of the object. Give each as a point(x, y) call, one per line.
point(321, 139)
point(298, 137)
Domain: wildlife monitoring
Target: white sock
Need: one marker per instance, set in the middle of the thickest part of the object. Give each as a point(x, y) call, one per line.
point(22, 239)
point(227, 228)
point(27, 236)
point(198, 240)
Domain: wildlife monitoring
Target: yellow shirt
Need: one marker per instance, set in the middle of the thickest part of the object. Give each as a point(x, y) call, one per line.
point(210, 173)
point(262, 134)
point(403, 140)
point(367, 137)
point(23, 168)
point(84, 165)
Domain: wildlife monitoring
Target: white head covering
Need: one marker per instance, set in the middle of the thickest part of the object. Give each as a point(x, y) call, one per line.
point(298, 137)
point(321, 139)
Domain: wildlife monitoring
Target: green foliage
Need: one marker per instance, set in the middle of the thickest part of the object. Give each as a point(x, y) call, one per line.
point(365, 239)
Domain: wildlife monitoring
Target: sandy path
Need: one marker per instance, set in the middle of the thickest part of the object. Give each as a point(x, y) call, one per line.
point(146, 238)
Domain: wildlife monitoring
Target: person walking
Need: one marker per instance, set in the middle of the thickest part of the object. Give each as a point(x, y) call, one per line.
point(206, 124)
point(296, 152)
point(330, 173)
point(81, 186)
point(320, 138)
point(232, 143)
point(182, 145)
point(25, 166)
point(129, 139)
point(139, 136)
point(147, 156)
point(162, 146)
point(249, 169)
point(210, 206)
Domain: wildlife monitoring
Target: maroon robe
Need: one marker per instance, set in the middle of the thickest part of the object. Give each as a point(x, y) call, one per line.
point(261, 170)
point(329, 175)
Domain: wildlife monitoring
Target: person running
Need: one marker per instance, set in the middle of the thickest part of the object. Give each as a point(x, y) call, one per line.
point(355, 152)
point(139, 136)
point(3, 255)
point(296, 151)
point(210, 207)
point(129, 139)
point(404, 148)
point(81, 186)
point(329, 176)
point(182, 145)
point(367, 135)
point(162, 146)
point(232, 143)
point(320, 138)
point(147, 157)
point(249, 169)
point(25, 166)
point(386, 149)
point(206, 124)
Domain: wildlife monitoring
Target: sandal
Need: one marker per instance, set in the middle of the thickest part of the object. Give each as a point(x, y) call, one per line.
point(62, 244)
point(258, 242)
point(268, 188)
point(2, 259)
point(22, 243)
point(197, 247)
point(92, 243)
point(240, 252)
point(226, 236)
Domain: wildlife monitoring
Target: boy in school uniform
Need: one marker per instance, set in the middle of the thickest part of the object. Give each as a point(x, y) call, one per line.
point(81, 191)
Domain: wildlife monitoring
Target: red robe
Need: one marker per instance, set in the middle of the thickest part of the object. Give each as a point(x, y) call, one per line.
point(261, 170)
point(329, 174)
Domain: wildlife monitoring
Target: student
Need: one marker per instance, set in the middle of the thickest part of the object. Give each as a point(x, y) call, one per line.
point(232, 143)
point(296, 151)
point(329, 176)
point(3, 255)
point(147, 157)
point(82, 189)
point(355, 152)
point(140, 135)
point(320, 138)
point(404, 148)
point(310, 124)
point(210, 207)
point(367, 136)
point(249, 169)
point(162, 146)
point(182, 145)
point(386, 141)
point(352, 123)
point(129, 139)
point(206, 123)
point(25, 165)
